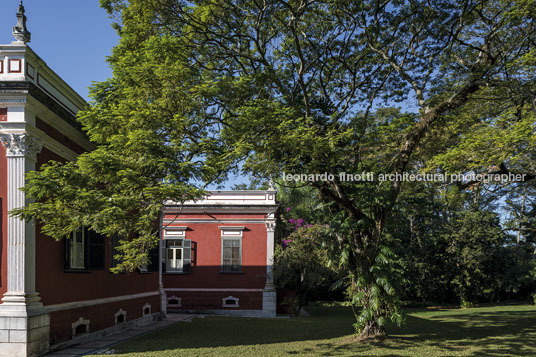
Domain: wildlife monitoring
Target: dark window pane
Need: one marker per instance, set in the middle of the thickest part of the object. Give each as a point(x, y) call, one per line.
point(227, 253)
point(96, 250)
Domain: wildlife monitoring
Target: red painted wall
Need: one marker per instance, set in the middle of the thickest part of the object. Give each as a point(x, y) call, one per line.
point(56, 286)
point(3, 221)
point(212, 300)
point(100, 316)
point(206, 271)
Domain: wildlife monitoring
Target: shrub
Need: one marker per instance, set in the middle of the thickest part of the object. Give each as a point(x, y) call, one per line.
point(301, 266)
point(466, 304)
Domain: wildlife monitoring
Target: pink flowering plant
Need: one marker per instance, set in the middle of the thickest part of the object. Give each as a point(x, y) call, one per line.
point(291, 225)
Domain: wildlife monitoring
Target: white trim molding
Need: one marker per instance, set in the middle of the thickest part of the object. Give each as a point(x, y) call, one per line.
point(80, 321)
point(13, 101)
point(176, 228)
point(174, 232)
point(233, 228)
point(119, 313)
point(227, 231)
point(77, 304)
point(225, 301)
point(240, 201)
point(179, 301)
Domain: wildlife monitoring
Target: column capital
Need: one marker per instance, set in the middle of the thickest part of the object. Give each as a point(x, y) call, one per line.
point(270, 221)
point(21, 145)
point(270, 226)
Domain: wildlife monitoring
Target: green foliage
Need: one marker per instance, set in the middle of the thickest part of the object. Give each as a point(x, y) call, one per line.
point(377, 301)
point(458, 245)
point(300, 265)
point(149, 147)
point(466, 304)
point(475, 241)
point(300, 87)
point(370, 287)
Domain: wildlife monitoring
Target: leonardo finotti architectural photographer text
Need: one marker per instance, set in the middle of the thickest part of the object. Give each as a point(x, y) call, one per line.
point(404, 177)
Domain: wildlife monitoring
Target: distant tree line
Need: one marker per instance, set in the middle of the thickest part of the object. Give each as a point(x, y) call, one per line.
point(450, 246)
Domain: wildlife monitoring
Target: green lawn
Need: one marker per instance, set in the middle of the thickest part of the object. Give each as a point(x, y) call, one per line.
point(485, 331)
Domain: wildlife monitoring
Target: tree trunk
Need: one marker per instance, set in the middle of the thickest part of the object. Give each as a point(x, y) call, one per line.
point(372, 330)
point(374, 301)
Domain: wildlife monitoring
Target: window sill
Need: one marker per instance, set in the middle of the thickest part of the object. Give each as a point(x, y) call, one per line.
point(176, 273)
point(231, 272)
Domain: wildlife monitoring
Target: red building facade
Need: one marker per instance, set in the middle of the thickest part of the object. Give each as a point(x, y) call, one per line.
point(53, 293)
point(217, 254)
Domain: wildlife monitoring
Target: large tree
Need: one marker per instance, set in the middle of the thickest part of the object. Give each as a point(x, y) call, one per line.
point(150, 147)
point(297, 86)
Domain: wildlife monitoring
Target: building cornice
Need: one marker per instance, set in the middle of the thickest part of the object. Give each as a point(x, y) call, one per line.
point(213, 209)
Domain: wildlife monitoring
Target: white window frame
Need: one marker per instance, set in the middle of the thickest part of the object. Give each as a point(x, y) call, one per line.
point(73, 263)
point(231, 238)
point(183, 248)
point(169, 268)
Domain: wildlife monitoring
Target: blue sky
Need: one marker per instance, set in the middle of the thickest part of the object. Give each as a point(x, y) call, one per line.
point(72, 36)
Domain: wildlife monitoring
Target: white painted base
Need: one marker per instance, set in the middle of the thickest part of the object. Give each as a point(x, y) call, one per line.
point(23, 334)
point(269, 303)
point(163, 301)
point(37, 348)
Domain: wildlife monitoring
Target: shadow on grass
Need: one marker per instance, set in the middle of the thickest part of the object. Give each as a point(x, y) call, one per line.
point(212, 332)
point(488, 333)
point(484, 333)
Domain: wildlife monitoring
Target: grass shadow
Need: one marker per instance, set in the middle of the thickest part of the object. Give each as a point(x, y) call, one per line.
point(229, 331)
point(480, 332)
point(492, 333)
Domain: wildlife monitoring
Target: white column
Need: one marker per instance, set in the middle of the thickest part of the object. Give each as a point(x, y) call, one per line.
point(163, 295)
point(270, 228)
point(21, 152)
point(269, 296)
point(24, 324)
